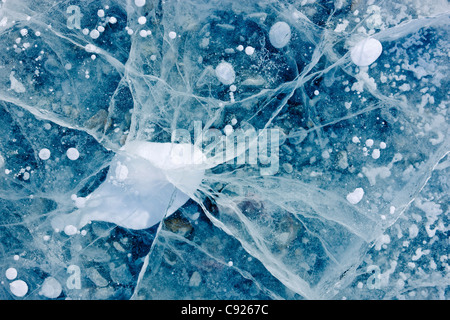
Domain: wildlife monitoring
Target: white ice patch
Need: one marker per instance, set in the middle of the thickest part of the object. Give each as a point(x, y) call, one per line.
point(121, 172)
point(355, 196)
point(146, 182)
point(366, 52)
point(16, 85)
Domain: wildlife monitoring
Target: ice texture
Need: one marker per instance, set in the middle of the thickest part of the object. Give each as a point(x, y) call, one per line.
point(346, 197)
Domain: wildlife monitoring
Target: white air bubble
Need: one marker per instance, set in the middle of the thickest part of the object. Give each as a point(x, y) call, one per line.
point(70, 230)
point(249, 50)
point(143, 20)
point(94, 34)
point(225, 73)
point(139, 3)
point(376, 153)
point(51, 288)
point(19, 288)
point(73, 153)
point(44, 154)
point(228, 129)
point(365, 52)
point(280, 34)
point(11, 273)
point(172, 34)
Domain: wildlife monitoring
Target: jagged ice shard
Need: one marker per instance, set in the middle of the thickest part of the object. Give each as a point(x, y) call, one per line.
point(224, 149)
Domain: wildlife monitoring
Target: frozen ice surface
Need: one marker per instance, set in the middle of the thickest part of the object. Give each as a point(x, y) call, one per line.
point(317, 178)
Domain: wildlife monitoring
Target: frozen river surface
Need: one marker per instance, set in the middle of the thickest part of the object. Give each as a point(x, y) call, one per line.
point(232, 149)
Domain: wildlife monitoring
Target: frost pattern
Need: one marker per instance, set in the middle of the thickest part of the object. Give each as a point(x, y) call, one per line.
point(117, 78)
